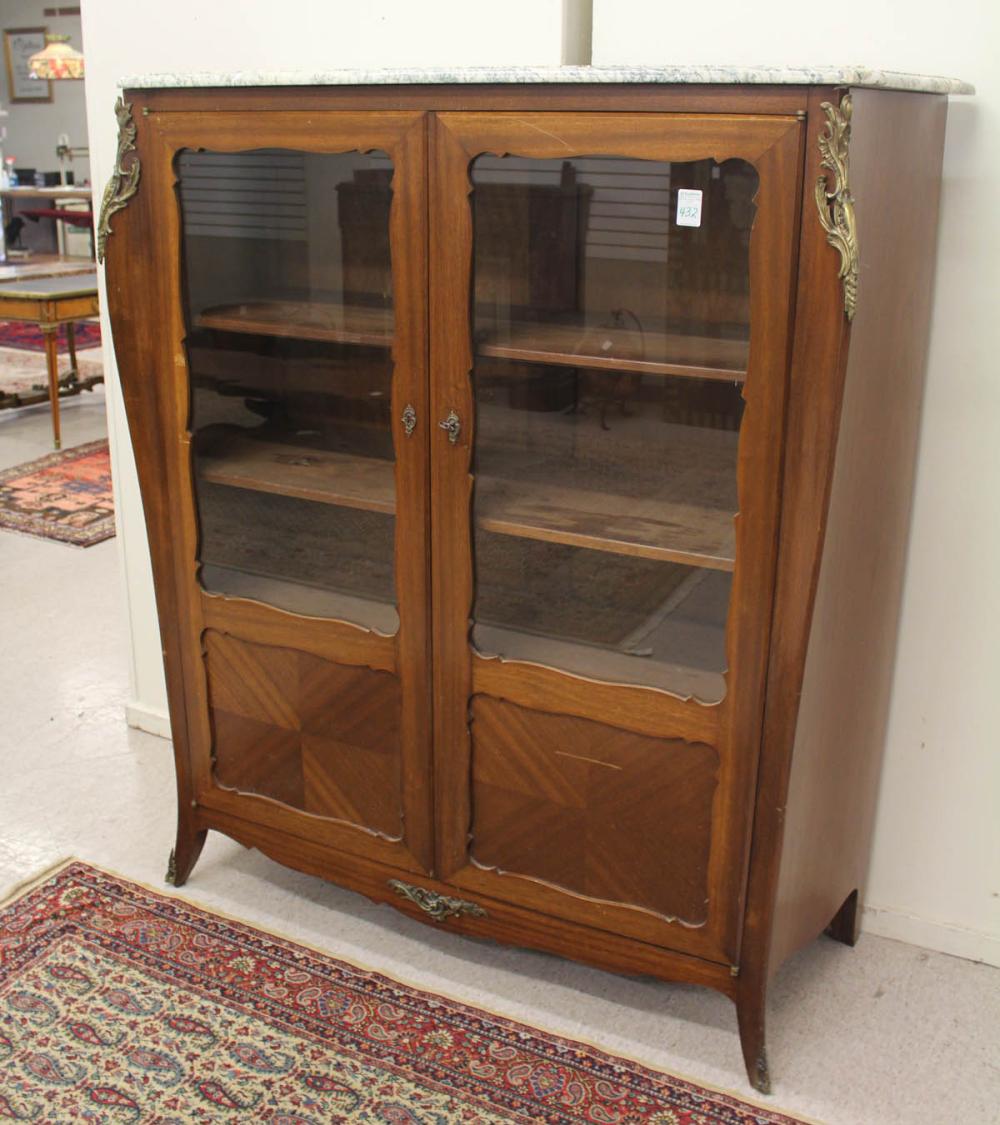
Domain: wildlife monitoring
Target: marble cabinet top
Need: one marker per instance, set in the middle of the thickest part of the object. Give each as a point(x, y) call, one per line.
point(855, 76)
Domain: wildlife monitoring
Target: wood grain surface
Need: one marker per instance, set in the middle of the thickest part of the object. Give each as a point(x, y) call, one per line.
point(666, 353)
point(303, 320)
point(581, 814)
point(600, 812)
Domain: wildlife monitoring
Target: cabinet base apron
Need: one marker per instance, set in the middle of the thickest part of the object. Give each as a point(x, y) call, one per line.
point(499, 921)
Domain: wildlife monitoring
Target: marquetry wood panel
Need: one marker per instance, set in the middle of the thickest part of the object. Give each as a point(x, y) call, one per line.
point(594, 810)
point(315, 735)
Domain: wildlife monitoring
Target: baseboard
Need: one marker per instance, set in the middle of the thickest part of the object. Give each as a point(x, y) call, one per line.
point(150, 719)
point(941, 936)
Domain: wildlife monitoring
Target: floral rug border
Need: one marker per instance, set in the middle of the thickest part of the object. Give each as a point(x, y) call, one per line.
point(318, 974)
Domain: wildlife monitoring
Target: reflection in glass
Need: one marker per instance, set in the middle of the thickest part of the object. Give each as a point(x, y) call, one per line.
point(611, 346)
point(288, 294)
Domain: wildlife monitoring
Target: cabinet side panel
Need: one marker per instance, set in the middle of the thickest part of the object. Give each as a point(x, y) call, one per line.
point(895, 153)
point(134, 275)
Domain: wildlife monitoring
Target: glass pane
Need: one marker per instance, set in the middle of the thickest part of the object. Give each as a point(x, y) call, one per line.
point(288, 295)
point(611, 330)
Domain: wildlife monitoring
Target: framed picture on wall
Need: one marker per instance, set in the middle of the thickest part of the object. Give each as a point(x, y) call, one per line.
point(19, 44)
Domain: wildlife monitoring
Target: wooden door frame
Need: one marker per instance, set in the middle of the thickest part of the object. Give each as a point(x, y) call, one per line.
point(773, 144)
point(402, 136)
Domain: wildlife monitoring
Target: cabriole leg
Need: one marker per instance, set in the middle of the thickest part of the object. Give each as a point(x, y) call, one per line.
point(846, 924)
point(750, 1014)
point(184, 854)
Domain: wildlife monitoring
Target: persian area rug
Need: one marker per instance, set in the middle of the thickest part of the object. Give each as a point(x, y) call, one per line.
point(25, 336)
point(64, 496)
point(121, 1004)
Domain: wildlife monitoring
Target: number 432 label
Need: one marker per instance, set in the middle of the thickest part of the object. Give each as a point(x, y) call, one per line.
point(688, 207)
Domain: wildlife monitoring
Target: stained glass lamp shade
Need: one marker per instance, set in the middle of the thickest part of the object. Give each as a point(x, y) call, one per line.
point(57, 60)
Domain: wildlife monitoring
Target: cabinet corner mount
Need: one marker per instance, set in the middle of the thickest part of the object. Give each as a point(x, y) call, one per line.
point(124, 182)
point(834, 199)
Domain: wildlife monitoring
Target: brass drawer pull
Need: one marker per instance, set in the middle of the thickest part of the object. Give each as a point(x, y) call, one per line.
point(452, 426)
point(409, 419)
point(439, 907)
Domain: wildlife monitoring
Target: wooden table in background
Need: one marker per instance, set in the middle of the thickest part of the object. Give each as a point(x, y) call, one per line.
point(49, 302)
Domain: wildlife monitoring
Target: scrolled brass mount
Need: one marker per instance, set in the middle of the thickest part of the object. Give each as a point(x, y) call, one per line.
point(124, 182)
point(834, 200)
point(439, 907)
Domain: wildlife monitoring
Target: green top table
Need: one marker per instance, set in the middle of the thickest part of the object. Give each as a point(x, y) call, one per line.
point(49, 302)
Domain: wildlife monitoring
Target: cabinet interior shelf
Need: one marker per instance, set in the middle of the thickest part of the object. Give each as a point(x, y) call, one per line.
point(303, 320)
point(299, 597)
point(326, 476)
point(574, 345)
point(655, 528)
point(599, 662)
point(555, 343)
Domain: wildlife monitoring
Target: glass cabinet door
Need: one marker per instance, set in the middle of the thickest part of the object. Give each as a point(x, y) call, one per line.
point(611, 334)
point(289, 306)
point(296, 370)
point(606, 501)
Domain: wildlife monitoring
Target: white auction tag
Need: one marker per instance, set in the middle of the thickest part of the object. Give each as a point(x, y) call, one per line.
point(688, 207)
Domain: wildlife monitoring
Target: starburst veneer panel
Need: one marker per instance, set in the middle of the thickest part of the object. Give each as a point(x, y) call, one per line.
point(314, 735)
point(593, 809)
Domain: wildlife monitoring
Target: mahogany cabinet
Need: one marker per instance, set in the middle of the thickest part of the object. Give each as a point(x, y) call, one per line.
point(527, 473)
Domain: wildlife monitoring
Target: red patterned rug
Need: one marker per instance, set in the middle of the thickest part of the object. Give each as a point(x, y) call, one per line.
point(64, 496)
point(120, 1004)
point(28, 337)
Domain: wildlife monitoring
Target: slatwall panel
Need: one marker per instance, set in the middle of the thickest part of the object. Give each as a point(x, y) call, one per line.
point(260, 194)
point(630, 209)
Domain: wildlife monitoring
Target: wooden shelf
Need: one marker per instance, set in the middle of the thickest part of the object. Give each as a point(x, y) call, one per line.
point(299, 597)
point(303, 320)
point(560, 344)
point(344, 479)
point(603, 665)
point(654, 527)
point(646, 488)
point(573, 345)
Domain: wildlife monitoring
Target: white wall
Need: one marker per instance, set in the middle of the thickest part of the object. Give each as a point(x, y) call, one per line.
point(936, 875)
point(936, 869)
point(33, 129)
